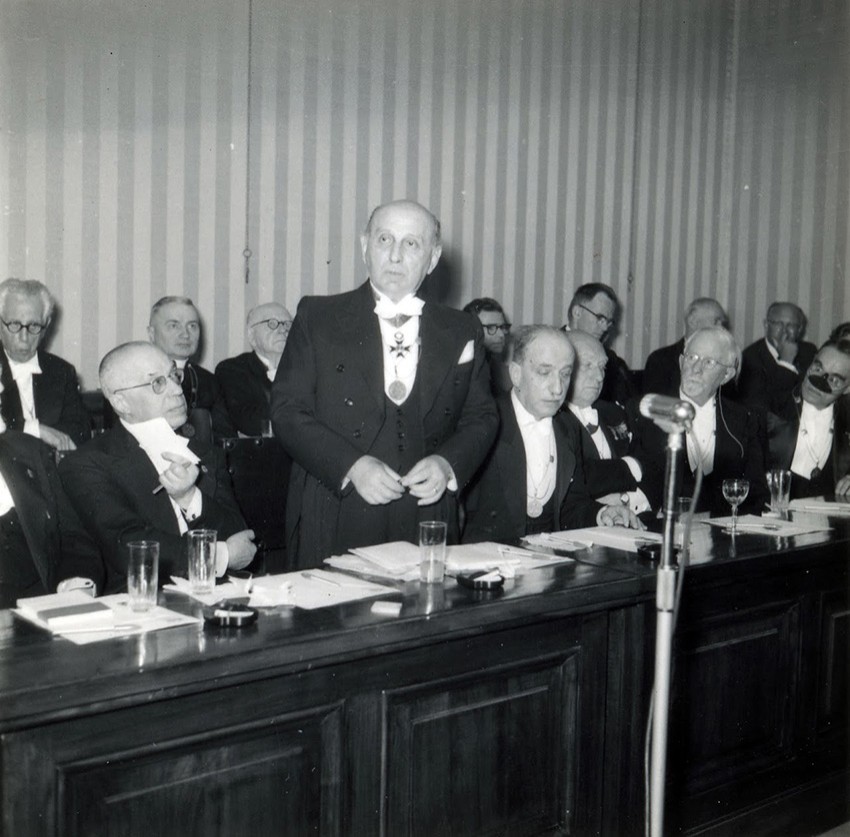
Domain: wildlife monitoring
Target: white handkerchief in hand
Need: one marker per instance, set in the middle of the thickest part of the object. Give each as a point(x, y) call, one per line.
point(467, 354)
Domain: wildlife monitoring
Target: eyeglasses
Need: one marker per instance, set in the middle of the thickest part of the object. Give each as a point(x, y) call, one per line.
point(33, 328)
point(835, 381)
point(708, 363)
point(786, 326)
point(600, 318)
point(274, 324)
point(493, 328)
point(159, 383)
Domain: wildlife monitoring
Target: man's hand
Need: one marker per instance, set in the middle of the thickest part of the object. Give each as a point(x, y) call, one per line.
point(240, 549)
point(375, 482)
point(428, 479)
point(618, 516)
point(179, 478)
point(842, 487)
point(56, 438)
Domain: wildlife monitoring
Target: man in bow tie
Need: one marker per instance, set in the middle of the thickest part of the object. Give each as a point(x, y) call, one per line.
point(533, 479)
point(613, 472)
point(142, 481)
point(41, 393)
point(383, 401)
point(811, 435)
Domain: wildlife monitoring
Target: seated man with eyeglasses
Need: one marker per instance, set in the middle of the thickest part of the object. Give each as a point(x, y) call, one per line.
point(141, 481)
point(811, 434)
point(246, 380)
point(593, 310)
point(724, 437)
point(771, 368)
point(496, 330)
point(41, 392)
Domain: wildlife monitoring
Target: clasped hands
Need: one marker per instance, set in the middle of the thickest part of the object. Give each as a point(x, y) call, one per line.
point(378, 484)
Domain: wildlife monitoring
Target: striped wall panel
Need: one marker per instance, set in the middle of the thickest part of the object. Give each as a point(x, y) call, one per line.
point(231, 151)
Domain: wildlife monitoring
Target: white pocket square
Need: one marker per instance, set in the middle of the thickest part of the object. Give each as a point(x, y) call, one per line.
point(467, 354)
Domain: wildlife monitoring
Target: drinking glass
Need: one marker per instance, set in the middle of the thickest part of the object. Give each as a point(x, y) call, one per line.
point(432, 551)
point(201, 559)
point(142, 574)
point(735, 492)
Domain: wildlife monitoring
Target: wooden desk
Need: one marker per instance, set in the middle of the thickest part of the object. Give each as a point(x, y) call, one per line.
point(518, 714)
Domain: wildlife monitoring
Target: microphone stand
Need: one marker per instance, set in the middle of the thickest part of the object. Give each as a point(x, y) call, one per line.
point(665, 600)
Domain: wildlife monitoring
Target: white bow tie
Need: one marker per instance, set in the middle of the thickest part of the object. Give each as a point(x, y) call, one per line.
point(410, 306)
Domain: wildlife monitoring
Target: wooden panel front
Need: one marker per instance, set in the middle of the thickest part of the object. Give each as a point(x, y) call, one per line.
point(736, 681)
point(833, 696)
point(494, 755)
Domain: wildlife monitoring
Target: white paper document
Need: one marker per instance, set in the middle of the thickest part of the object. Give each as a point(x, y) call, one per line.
point(814, 504)
point(125, 622)
point(751, 524)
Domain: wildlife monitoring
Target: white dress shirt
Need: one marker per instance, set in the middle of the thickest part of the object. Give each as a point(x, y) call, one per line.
point(814, 440)
point(541, 455)
point(400, 343)
point(701, 436)
point(22, 374)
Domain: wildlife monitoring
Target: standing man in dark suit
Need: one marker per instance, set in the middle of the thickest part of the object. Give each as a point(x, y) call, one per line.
point(613, 473)
point(725, 437)
point(175, 326)
point(141, 481)
point(533, 478)
point(382, 400)
point(811, 435)
point(41, 538)
point(772, 367)
point(246, 380)
point(593, 310)
point(661, 370)
point(41, 393)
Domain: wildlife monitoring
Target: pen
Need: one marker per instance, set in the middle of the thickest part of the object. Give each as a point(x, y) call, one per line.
point(158, 489)
point(321, 578)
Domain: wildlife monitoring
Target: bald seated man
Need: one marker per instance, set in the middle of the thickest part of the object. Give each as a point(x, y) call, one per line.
point(613, 473)
point(661, 370)
point(141, 481)
point(246, 380)
point(533, 478)
point(773, 367)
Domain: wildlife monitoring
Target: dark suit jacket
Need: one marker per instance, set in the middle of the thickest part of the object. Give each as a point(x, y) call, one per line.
point(496, 500)
point(58, 545)
point(247, 392)
point(56, 392)
point(738, 452)
point(764, 384)
point(782, 442)
point(110, 482)
point(605, 476)
point(617, 386)
point(328, 401)
point(661, 373)
point(203, 392)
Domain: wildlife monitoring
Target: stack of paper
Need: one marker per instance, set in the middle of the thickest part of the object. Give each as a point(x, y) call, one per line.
point(617, 537)
point(398, 560)
point(814, 504)
point(64, 611)
point(751, 524)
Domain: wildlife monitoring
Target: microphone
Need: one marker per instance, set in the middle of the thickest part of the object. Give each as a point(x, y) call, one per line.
point(667, 409)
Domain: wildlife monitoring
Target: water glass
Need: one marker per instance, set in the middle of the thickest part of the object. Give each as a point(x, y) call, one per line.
point(735, 491)
point(432, 551)
point(201, 559)
point(779, 483)
point(142, 574)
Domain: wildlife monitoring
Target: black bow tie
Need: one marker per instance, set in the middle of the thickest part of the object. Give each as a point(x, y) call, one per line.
point(592, 428)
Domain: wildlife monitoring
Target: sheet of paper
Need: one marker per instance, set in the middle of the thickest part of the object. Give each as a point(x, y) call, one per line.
point(751, 524)
point(127, 622)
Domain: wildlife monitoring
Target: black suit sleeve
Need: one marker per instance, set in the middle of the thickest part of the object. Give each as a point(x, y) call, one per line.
point(246, 398)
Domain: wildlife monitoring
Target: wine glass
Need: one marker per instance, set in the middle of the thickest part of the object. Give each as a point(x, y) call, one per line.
point(735, 492)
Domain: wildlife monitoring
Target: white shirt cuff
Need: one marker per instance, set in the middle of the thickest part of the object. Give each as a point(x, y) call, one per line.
point(193, 511)
point(222, 558)
point(32, 428)
point(634, 467)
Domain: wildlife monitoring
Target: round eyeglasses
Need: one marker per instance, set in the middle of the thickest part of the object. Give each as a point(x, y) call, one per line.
point(15, 326)
point(159, 383)
point(494, 328)
point(274, 324)
point(707, 362)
